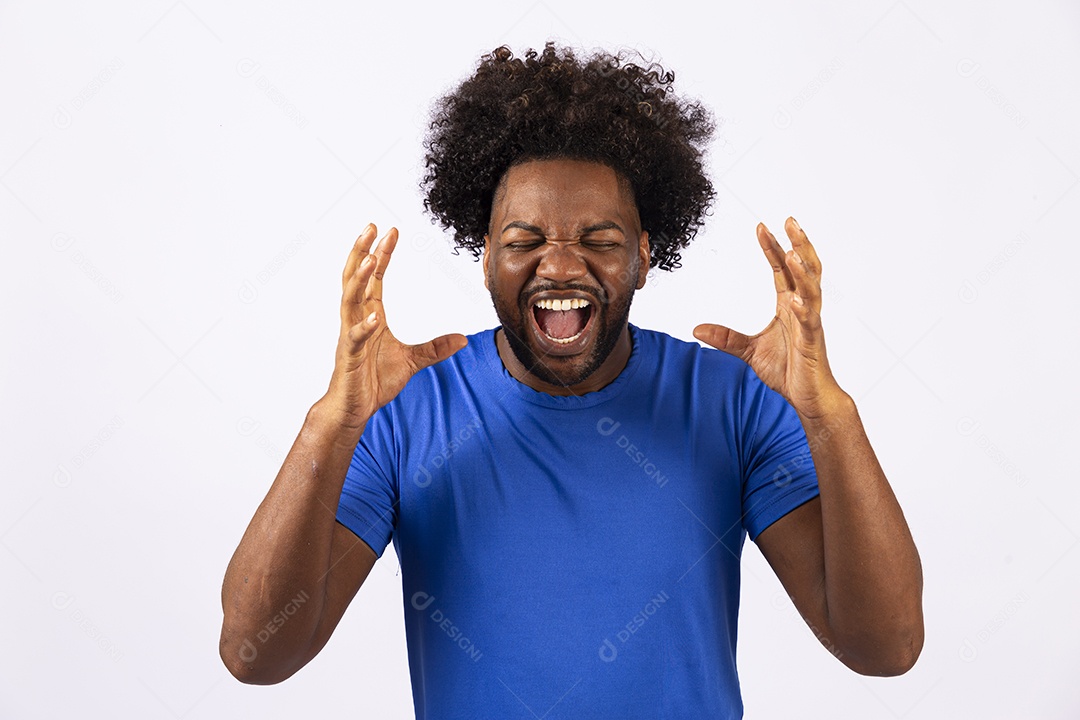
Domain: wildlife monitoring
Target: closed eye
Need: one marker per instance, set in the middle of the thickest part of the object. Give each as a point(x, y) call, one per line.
point(525, 244)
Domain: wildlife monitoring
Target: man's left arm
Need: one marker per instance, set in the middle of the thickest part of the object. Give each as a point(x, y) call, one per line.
point(846, 558)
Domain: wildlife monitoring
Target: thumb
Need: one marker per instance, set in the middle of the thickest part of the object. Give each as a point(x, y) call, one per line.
point(437, 350)
point(724, 338)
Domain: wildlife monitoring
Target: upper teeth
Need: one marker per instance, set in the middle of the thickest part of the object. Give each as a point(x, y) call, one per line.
point(571, 304)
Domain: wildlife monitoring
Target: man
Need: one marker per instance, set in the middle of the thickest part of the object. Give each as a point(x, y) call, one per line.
point(568, 494)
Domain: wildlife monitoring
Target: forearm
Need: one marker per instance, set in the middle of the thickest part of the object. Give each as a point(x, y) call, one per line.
point(277, 577)
point(873, 576)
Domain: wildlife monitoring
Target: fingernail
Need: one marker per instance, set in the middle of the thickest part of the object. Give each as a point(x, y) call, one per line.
point(798, 258)
point(796, 224)
point(797, 298)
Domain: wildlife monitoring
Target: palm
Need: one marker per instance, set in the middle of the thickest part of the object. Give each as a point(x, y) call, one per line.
point(387, 365)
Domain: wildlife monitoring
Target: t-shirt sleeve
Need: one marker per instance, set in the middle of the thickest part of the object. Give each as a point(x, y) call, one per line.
point(369, 498)
point(778, 470)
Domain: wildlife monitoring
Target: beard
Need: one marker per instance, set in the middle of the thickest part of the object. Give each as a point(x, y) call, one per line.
point(515, 318)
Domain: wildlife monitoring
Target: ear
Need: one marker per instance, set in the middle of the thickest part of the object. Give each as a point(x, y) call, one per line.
point(487, 256)
point(643, 256)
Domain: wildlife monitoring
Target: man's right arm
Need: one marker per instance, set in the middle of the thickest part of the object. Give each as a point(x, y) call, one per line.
point(296, 568)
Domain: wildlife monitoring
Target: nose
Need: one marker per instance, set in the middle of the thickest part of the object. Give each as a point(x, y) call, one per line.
point(561, 262)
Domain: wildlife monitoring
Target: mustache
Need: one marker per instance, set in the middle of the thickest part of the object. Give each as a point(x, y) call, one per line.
point(596, 292)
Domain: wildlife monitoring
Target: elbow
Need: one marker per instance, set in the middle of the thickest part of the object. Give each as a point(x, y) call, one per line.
point(888, 659)
point(891, 666)
point(242, 660)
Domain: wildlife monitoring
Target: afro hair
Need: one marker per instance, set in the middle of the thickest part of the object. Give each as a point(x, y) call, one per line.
point(551, 104)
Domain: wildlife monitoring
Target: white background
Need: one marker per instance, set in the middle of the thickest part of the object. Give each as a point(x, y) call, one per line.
point(181, 184)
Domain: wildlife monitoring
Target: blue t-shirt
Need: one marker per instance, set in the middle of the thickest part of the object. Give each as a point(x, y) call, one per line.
point(578, 556)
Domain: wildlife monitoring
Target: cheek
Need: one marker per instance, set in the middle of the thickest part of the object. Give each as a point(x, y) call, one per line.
point(507, 279)
point(623, 275)
point(512, 273)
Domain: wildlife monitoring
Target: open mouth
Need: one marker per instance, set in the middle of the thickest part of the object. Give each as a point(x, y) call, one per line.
point(562, 320)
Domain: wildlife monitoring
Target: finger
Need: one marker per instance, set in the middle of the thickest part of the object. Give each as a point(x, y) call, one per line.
point(357, 254)
point(367, 238)
point(384, 250)
point(381, 255)
point(801, 243)
point(359, 333)
point(807, 284)
point(782, 279)
point(809, 318)
point(437, 350)
point(724, 338)
point(353, 299)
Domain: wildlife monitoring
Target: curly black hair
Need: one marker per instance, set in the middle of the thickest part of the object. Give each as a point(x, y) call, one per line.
point(551, 104)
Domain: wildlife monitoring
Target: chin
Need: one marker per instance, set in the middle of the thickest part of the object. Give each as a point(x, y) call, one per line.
point(562, 362)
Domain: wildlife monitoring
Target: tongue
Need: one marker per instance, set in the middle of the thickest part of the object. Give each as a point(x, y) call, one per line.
point(562, 323)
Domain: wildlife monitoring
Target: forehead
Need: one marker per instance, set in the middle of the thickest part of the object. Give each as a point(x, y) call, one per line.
point(563, 188)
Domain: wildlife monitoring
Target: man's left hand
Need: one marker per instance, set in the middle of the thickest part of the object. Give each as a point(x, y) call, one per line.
point(789, 354)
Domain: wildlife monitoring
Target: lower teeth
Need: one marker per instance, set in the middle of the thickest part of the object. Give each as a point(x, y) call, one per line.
point(564, 341)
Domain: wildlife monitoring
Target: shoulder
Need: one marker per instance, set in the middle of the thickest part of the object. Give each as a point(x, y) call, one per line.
point(671, 353)
point(467, 367)
point(439, 390)
point(472, 361)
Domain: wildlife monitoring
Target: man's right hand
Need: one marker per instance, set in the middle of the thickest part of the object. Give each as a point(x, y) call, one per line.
point(372, 366)
point(294, 543)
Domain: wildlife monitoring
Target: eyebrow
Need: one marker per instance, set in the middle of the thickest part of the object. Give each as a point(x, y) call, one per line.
point(595, 227)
